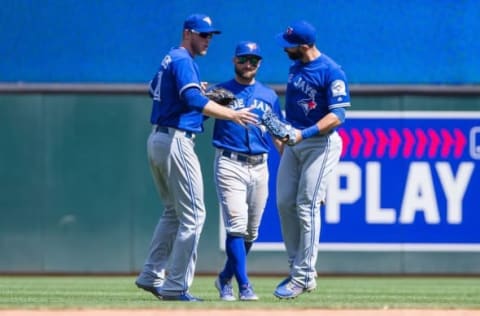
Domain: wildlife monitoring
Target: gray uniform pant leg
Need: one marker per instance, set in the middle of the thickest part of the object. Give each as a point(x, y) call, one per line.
point(301, 188)
point(176, 171)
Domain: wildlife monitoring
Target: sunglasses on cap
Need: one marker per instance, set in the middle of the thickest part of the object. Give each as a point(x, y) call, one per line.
point(201, 34)
point(253, 60)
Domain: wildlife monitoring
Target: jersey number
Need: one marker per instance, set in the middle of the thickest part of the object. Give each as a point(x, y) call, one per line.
point(157, 82)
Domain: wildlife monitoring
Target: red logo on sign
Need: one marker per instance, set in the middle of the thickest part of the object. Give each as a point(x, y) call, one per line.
point(418, 143)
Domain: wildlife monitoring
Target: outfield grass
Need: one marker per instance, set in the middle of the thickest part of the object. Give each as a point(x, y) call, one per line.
point(20, 292)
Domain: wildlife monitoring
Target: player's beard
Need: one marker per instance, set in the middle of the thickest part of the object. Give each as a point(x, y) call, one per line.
point(246, 75)
point(295, 55)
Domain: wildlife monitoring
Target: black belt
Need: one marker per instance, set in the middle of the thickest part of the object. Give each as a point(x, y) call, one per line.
point(165, 130)
point(250, 159)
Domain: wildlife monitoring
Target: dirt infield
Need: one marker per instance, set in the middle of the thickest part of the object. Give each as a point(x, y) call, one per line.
point(258, 312)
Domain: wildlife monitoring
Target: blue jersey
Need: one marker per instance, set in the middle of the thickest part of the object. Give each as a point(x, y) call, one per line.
point(251, 140)
point(177, 73)
point(313, 89)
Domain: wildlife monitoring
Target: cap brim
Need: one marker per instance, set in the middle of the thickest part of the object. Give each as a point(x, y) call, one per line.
point(284, 43)
point(248, 54)
point(208, 30)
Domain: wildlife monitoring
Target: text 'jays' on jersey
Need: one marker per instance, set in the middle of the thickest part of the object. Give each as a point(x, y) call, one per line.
point(253, 139)
point(313, 89)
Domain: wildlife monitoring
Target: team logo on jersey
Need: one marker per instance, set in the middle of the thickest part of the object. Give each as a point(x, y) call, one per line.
point(239, 103)
point(303, 85)
point(307, 105)
point(338, 88)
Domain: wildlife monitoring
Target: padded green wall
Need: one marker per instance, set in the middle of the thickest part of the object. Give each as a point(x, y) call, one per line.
point(76, 194)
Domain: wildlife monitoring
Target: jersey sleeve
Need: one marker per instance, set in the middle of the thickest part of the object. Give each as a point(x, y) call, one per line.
point(338, 91)
point(186, 75)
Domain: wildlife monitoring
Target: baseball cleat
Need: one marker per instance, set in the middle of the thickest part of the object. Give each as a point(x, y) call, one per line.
point(247, 293)
point(149, 282)
point(225, 290)
point(287, 290)
point(148, 288)
point(184, 297)
point(285, 281)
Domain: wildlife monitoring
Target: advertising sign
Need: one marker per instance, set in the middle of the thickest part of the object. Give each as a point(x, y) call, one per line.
point(406, 181)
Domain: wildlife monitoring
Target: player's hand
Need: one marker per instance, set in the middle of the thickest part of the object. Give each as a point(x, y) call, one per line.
point(245, 116)
point(204, 86)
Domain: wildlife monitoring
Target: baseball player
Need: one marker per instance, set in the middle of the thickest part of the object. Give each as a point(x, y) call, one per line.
point(177, 115)
point(241, 171)
point(315, 101)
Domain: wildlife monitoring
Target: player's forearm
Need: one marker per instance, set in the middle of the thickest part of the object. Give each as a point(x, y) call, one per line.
point(215, 110)
point(327, 123)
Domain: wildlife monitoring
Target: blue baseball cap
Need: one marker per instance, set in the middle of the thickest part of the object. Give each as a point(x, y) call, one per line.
point(248, 48)
point(298, 33)
point(200, 23)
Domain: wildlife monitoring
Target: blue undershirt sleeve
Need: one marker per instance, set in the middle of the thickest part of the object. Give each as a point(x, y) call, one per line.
point(340, 113)
point(195, 99)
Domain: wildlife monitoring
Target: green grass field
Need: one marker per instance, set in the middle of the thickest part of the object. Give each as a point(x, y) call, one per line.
point(31, 292)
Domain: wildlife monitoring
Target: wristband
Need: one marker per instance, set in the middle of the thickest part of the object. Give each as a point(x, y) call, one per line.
point(310, 131)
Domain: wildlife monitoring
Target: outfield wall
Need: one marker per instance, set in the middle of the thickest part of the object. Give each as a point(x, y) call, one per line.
point(75, 190)
point(376, 41)
point(77, 197)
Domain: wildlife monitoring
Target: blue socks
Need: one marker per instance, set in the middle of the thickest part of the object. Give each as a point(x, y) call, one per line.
point(237, 249)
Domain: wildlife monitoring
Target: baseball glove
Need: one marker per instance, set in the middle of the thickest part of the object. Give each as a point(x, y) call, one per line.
point(278, 128)
point(220, 95)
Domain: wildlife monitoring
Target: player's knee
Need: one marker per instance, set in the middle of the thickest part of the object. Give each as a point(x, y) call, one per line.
point(284, 203)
